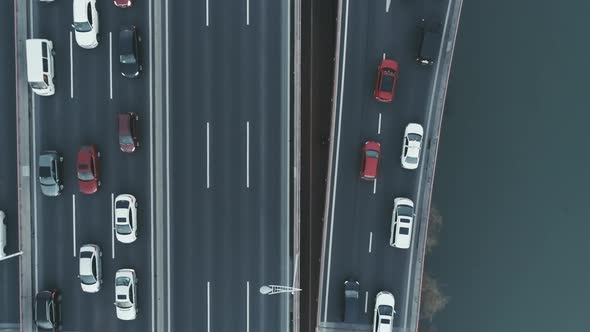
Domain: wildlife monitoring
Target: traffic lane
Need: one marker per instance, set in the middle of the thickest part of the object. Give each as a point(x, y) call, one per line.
point(9, 311)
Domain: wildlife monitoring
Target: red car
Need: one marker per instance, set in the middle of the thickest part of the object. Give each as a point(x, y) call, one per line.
point(370, 160)
point(122, 3)
point(128, 131)
point(386, 80)
point(88, 171)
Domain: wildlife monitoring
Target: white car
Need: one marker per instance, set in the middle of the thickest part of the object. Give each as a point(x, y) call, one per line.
point(126, 294)
point(126, 218)
point(402, 221)
point(86, 23)
point(412, 146)
point(2, 234)
point(90, 268)
point(384, 311)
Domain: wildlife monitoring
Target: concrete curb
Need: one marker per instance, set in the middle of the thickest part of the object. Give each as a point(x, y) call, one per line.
point(434, 123)
point(23, 125)
point(296, 26)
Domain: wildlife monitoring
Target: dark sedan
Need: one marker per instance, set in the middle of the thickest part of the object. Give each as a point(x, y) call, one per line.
point(129, 61)
point(47, 310)
point(50, 173)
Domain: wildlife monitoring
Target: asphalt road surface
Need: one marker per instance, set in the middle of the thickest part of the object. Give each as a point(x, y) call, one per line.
point(228, 172)
point(359, 215)
point(89, 94)
point(9, 313)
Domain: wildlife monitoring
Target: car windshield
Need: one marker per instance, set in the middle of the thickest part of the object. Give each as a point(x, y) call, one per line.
point(372, 154)
point(405, 210)
point(387, 81)
point(45, 175)
point(87, 279)
point(38, 85)
point(84, 173)
point(122, 204)
point(411, 160)
point(126, 139)
point(414, 137)
point(122, 302)
point(385, 310)
point(82, 26)
point(123, 229)
point(127, 58)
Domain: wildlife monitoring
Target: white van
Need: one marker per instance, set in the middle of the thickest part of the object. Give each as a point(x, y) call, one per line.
point(40, 70)
point(402, 222)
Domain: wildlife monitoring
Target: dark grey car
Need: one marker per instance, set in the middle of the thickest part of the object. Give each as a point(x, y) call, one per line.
point(47, 310)
point(352, 307)
point(129, 55)
point(50, 173)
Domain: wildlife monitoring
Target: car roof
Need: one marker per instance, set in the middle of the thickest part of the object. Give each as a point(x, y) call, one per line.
point(124, 121)
point(80, 10)
point(126, 39)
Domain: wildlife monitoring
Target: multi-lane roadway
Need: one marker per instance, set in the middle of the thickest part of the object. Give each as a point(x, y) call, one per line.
point(216, 88)
point(358, 212)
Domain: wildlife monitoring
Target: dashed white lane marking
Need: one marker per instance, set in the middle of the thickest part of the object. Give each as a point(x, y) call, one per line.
point(247, 12)
point(379, 126)
point(366, 301)
point(387, 4)
point(208, 183)
point(208, 306)
point(370, 241)
point(207, 12)
point(247, 306)
point(71, 68)
point(74, 223)
point(383, 55)
point(247, 154)
point(111, 65)
point(375, 186)
point(113, 224)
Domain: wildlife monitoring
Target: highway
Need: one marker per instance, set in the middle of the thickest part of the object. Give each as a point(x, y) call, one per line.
point(90, 91)
point(358, 212)
point(9, 268)
point(228, 146)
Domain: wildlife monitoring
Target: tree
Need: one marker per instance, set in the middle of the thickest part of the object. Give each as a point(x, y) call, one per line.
point(432, 299)
point(435, 222)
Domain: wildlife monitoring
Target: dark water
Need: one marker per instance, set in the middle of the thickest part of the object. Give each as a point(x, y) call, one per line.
point(512, 182)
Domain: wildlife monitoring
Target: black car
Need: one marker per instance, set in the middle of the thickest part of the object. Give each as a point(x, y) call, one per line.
point(129, 55)
point(50, 173)
point(352, 306)
point(429, 38)
point(47, 310)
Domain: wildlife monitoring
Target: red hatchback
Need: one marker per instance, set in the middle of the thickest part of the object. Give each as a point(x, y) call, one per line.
point(370, 160)
point(122, 3)
point(88, 171)
point(386, 80)
point(128, 131)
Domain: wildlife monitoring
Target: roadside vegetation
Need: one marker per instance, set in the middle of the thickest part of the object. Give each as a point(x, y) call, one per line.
point(433, 300)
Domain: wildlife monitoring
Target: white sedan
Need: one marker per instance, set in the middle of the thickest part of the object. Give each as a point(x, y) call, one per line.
point(384, 311)
point(2, 234)
point(86, 23)
point(90, 268)
point(412, 146)
point(126, 218)
point(126, 294)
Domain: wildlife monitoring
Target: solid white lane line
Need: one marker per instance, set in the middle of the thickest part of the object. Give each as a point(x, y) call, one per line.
point(387, 4)
point(71, 68)
point(208, 184)
point(74, 222)
point(336, 164)
point(151, 140)
point(370, 241)
point(168, 242)
point(375, 186)
point(207, 12)
point(247, 154)
point(111, 64)
point(247, 306)
point(379, 127)
point(208, 306)
point(113, 222)
point(366, 301)
point(247, 12)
